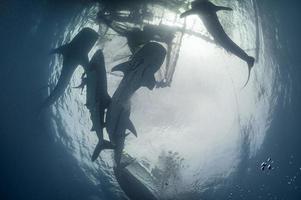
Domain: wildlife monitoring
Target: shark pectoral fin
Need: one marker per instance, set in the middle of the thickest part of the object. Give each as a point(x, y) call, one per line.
point(123, 67)
point(97, 151)
point(132, 128)
point(218, 8)
point(186, 13)
point(60, 50)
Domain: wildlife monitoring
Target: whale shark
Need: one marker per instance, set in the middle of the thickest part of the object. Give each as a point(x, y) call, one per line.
point(74, 53)
point(208, 13)
point(138, 72)
point(97, 97)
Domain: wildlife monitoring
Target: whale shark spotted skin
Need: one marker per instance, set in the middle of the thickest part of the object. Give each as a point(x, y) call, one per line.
point(74, 53)
point(138, 72)
point(207, 11)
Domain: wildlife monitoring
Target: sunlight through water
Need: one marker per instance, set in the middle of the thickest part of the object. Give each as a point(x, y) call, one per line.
point(205, 122)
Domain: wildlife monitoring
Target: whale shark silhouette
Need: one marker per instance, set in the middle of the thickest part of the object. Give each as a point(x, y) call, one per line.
point(97, 98)
point(74, 53)
point(138, 72)
point(207, 11)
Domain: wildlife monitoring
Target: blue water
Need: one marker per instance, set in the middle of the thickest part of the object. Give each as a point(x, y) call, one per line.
point(42, 161)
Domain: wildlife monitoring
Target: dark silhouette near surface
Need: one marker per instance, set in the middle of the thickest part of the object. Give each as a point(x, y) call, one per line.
point(74, 53)
point(138, 72)
point(207, 11)
point(97, 98)
point(137, 37)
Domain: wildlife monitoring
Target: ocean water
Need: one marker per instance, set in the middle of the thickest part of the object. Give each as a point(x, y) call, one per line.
point(219, 133)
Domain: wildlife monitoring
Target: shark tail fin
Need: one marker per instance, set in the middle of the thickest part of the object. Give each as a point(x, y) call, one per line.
point(123, 67)
point(101, 145)
point(250, 62)
point(60, 50)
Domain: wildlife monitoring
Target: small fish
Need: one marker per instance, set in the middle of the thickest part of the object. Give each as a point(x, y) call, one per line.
point(263, 164)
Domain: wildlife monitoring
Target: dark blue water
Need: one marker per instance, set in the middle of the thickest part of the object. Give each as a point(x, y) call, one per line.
point(35, 166)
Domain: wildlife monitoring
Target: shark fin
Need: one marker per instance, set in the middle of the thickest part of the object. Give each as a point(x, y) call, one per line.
point(101, 145)
point(250, 62)
point(188, 12)
point(60, 50)
point(218, 8)
point(123, 67)
point(132, 128)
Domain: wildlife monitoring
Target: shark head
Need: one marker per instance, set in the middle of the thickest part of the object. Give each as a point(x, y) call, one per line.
point(84, 40)
point(143, 65)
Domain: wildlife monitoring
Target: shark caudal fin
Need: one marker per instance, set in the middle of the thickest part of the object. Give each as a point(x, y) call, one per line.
point(101, 145)
point(250, 62)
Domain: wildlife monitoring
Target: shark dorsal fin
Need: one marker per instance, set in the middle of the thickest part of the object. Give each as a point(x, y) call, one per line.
point(132, 128)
